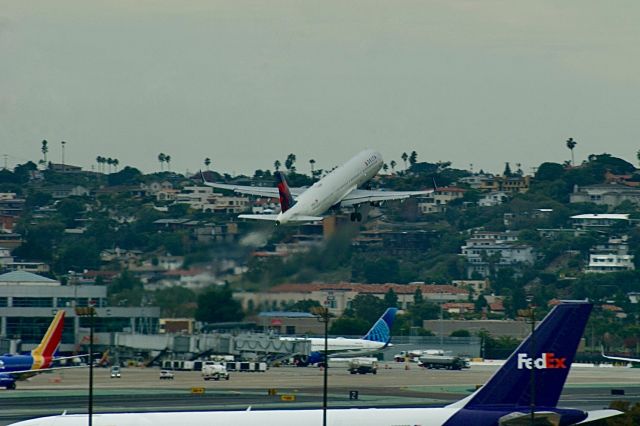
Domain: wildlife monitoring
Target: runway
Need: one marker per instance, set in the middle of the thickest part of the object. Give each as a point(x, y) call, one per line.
point(140, 389)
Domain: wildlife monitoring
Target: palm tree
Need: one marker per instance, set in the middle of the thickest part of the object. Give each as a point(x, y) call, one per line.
point(312, 162)
point(109, 163)
point(63, 143)
point(571, 144)
point(162, 158)
point(98, 160)
point(289, 162)
point(115, 163)
point(167, 158)
point(385, 167)
point(276, 165)
point(404, 157)
point(413, 158)
point(207, 162)
point(44, 149)
point(393, 165)
point(638, 156)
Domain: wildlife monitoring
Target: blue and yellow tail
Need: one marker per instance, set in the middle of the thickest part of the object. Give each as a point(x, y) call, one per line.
point(381, 330)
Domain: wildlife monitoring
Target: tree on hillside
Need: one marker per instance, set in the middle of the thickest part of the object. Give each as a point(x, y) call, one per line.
point(217, 305)
point(571, 144)
point(207, 162)
point(413, 158)
point(366, 307)
point(312, 162)
point(276, 165)
point(393, 165)
point(45, 150)
point(391, 299)
point(404, 157)
point(167, 159)
point(161, 158)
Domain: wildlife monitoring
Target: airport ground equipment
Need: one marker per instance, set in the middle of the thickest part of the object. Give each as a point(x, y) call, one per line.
point(443, 362)
point(363, 366)
point(214, 372)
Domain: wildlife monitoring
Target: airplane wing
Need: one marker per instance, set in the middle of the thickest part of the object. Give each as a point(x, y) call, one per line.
point(25, 374)
point(618, 358)
point(261, 191)
point(358, 196)
point(274, 217)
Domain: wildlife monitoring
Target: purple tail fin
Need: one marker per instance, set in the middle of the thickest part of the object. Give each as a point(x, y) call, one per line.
point(286, 200)
point(548, 355)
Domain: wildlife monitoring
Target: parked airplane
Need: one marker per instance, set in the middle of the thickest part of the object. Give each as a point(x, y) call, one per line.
point(506, 399)
point(20, 367)
point(377, 338)
point(337, 189)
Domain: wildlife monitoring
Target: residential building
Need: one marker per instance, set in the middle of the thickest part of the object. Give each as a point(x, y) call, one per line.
point(63, 191)
point(203, 198)
point(488, 251)
point(598, 221)
point(493, 198)
point(608, 194)
point(612, 256)
point(438, 199)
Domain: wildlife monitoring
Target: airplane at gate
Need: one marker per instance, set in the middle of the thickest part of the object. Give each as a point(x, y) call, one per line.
point(337, 189)
point(506, 399)
point(376, 339)
point(21, 367)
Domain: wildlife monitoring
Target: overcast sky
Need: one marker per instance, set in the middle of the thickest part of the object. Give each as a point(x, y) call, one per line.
point(248, 82)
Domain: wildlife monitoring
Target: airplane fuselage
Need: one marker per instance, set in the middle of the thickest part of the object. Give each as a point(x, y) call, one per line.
point(332, 188)
point(437, 416)
point(341, 346)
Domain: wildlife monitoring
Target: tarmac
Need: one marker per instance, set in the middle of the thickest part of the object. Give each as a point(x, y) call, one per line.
point(140, 389)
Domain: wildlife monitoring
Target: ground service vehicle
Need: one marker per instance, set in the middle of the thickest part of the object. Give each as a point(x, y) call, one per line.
point(115, 372)
point(166, 375)
point(447, 362)
point(214, 372)
point(363, 366)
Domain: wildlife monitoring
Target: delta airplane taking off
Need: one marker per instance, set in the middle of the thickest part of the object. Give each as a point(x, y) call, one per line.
point(506, 399)
point(375, 340)
point(337, 189)
point(21, 367)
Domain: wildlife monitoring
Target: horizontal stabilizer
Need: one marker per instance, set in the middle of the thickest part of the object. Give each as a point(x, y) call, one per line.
point(594, 415)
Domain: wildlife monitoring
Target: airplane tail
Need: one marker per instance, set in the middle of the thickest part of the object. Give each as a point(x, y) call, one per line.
point(381, 330)
point(544, 359)
point(51, 339)
point(286, 200)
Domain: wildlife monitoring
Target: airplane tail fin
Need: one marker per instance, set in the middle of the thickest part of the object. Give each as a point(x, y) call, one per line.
point(545, 357)
point(381, 330)
point(52, 337)
point(286, 200)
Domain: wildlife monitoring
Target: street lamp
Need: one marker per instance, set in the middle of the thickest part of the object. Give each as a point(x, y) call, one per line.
point(89, 311)
point(323, 316)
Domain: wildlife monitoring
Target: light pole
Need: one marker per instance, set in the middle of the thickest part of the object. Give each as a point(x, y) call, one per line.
point(89, 311)
point(323, 316)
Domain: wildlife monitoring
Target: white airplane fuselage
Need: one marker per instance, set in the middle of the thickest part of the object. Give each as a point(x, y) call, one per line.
point(339, 345)
point(342, 417)
point(332, 188)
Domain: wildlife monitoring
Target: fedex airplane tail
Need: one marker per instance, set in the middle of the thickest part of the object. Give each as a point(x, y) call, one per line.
point(540, 364)
point(381, 330)
point(286, 200)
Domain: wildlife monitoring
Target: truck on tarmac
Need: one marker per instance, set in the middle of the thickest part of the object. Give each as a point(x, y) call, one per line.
point(212, 371)
point(363, 365)
point(446, 362)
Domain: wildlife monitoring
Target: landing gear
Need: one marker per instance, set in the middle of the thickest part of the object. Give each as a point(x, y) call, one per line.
point(11, 386)
point(356, 217)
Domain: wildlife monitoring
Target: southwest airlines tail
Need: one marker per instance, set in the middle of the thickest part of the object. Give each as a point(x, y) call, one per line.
point(286, 200)
point(381, 330)
point(51, 340)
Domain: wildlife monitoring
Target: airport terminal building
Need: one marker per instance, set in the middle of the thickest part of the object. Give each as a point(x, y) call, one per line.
point(29, 301)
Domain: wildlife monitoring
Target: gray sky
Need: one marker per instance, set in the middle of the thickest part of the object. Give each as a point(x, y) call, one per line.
point(247, 82)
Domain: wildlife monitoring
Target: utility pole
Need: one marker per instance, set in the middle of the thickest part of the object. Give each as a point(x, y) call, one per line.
point(323, 316)
point(63, 143)
point(89, 311)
